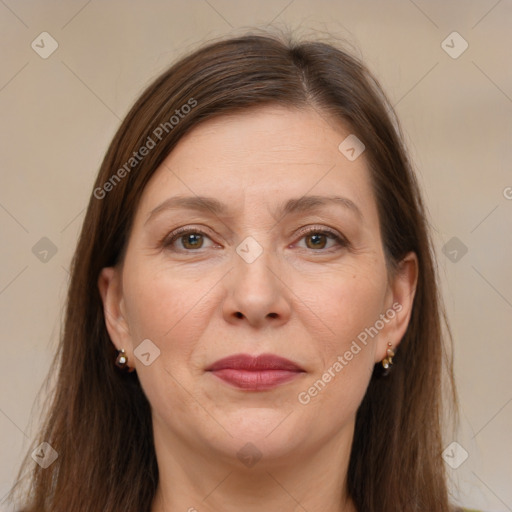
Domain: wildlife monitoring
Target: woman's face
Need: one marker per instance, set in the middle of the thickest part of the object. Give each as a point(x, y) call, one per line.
point(262, 269)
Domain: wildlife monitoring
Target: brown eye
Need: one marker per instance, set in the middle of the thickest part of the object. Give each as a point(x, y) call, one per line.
point(192, 240)
point(186, 240)
point(318, 240)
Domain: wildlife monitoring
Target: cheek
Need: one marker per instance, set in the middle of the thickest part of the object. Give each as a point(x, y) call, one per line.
point(350, 303)
point(346, 303)
point(167, 308)
point(173, 312)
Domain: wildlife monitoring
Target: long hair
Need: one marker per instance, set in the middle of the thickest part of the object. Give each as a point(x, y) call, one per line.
point(99, 419)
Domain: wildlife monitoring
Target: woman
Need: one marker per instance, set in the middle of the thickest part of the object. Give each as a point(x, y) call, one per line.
point(255, 260)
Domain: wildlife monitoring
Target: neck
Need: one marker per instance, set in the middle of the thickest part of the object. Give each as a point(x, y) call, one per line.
point(311, 479)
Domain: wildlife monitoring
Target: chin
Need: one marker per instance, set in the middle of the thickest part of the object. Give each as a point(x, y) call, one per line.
point(270, 434)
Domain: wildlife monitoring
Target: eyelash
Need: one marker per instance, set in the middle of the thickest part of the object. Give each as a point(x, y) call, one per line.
point(341, 241)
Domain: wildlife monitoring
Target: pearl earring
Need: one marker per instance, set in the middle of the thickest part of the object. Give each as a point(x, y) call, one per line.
point(122, 361)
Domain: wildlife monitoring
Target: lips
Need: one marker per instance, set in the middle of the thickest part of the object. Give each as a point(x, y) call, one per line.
point(255, 373)
point(254, 363)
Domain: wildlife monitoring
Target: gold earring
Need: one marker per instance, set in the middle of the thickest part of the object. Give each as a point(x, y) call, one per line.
point(387, 362)
point(122, 361)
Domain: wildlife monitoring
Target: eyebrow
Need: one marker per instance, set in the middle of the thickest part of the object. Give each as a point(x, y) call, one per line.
point(296, 205)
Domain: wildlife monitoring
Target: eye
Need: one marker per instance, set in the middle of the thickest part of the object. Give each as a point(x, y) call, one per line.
point(317, 239)
point(190, 239)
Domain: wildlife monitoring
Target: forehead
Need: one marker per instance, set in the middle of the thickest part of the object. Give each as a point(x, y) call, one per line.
point(267, 154)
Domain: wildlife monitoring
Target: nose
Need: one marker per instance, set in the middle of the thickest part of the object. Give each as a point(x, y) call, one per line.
point(256, 293)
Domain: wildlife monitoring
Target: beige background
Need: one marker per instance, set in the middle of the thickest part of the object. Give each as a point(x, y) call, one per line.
point(59, 114)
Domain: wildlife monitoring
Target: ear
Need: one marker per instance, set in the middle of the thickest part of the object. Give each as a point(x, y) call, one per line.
point(110, 287)
point(399, 302)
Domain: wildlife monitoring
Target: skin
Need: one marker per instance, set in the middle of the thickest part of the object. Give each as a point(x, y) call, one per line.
point(305, 298)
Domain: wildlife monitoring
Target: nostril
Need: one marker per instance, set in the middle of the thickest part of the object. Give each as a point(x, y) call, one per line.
point(239, 315)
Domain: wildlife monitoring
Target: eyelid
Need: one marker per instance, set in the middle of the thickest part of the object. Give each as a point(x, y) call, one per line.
point(319, 229)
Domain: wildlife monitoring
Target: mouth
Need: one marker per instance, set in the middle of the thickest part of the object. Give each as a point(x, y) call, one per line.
point(255, 373)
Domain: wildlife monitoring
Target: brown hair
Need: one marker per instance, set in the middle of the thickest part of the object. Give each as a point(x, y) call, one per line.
point(99, 419)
